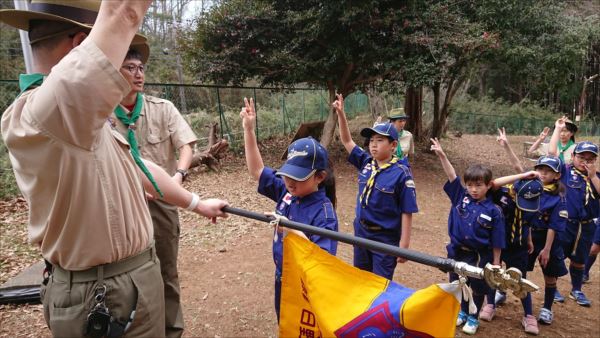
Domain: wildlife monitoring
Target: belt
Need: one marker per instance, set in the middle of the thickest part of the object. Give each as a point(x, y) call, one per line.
point(465, 248)
point(370, 226)
point(585, 221)
point(105, 270)
point(538, 229)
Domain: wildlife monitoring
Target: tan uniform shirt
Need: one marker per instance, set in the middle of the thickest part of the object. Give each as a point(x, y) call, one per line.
point(86, 201)
point(405, 142)
point(542, 150)
point(160, 131)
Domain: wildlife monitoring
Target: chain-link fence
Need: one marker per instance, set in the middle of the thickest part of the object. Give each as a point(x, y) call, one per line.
point(488, 124)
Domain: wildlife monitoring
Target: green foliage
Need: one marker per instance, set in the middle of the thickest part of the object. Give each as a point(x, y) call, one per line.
point(8, 185)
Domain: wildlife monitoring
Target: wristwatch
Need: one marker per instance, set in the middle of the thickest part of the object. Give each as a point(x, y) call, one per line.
point(184, 174)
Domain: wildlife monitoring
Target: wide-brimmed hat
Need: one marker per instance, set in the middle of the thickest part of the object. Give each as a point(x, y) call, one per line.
point(80, 13)
point(397, 114)
point(143, 49)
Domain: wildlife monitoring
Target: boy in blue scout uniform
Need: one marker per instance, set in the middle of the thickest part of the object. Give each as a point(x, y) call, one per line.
point(386, 196)
point(475, 227)
point(300, 188)
point(582, 182)
point(519, 202)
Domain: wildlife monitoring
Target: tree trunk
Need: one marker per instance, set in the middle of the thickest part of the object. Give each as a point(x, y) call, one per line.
point(213, 153)
point(413, 106)
point(331, 122)
point(437, 125)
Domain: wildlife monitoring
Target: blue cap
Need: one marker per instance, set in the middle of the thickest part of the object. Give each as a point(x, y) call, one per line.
point(304, 157)
point(385, 129)
point(549, 161)
point(586, 147)
point(528, 194)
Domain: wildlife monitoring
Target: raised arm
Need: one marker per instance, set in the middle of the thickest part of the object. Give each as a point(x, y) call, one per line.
point(254, 160)
point(501, 181)
point(345, 136)
point(514, 160)
point(448, 168)
point(175, 194)
point(558, 127)
point(539, 140)
point(116, 25)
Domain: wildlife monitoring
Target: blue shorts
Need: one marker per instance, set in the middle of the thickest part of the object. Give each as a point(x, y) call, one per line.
point(379, 263)
point(556, 262)
point(597, 233)
point(577, 240)
point(472, 257)
point(516, 257)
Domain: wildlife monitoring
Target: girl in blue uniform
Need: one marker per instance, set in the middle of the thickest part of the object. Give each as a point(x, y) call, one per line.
point(386, 196)
point(582, 183)
point(303, 189)
point(475, 227)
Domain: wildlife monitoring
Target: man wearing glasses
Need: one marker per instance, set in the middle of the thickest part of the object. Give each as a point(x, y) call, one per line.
point(160, 132)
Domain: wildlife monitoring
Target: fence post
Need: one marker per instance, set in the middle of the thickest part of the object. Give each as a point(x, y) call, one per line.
point(303, 108)
point(221, 118)
point(283, 111)
point(256, 111)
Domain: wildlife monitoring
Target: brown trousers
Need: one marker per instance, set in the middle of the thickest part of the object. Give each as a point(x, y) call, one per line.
point(66, 305)
point(165, 219)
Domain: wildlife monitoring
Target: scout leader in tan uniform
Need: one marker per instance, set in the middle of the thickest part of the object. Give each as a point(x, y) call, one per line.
point(87, 208)
point(160, 132)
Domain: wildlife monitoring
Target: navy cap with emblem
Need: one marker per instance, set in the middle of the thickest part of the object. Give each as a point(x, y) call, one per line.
point(549, 161)
point(586, 147)
point(528, 194)
point(305, 156)
point(384, 129)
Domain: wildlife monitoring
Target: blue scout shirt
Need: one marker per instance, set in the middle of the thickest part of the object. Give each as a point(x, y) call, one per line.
point(314, 209)
point(393, 192)
point(552, 214)
point(475, 225)
point(575, 195)
point(505, 199)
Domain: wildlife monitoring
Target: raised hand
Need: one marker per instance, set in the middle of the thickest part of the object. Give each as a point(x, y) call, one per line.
point(436, 146)
point(248, 114)
point(338, 104)
point(501, 138)
point(561, 123)
point(544, 133)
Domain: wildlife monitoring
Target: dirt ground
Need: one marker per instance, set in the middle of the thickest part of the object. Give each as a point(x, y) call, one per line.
point(226, 270)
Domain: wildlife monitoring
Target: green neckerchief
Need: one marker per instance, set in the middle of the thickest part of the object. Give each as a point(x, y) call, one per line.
point(364, 197)
point(129, 122)
point(399, 151)
point(561, 149)
point(27, 81)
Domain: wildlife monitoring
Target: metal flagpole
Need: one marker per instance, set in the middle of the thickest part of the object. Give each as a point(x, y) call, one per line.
point(25, 46)
point(495, 276)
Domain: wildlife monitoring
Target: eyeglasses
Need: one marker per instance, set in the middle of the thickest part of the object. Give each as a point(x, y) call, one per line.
point(133, 68)
point(586, 160)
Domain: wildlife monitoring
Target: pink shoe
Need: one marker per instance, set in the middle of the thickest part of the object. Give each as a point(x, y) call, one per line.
point(530, 325)
point(487, 313)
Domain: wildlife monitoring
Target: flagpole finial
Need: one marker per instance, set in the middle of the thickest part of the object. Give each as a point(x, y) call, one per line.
point(509, 279)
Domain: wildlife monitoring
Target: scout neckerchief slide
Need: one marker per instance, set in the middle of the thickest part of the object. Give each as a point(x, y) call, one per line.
point(588, 186)
point(129, 122)
point(364, 197)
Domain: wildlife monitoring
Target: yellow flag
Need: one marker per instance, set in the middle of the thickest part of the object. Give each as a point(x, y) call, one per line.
point(322, 296)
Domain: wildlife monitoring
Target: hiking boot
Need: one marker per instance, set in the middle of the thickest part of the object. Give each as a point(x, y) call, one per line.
point(558, 298)
point(545, 316)
point(461, 319)
point(580, 298)
point(471, 325)
point(500, 298)
point(487, 313)
point(530, 325)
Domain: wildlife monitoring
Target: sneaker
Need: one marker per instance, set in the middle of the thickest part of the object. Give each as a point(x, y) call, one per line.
point(580, 298)
point(461, 319)
point(545, 316)
point(500, 298)
point(558, 298)
point(586, 278)
point(530, 325)
point(487, 313)
point(471, 325)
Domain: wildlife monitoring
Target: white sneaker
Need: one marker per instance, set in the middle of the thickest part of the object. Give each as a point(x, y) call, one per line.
point(471, 326)
point(545, 316)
